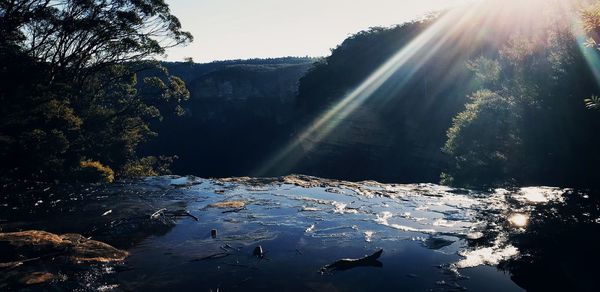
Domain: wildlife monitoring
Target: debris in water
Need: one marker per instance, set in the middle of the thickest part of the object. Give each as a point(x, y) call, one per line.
point(345, 264)
point(212, 256)
point(158, 213)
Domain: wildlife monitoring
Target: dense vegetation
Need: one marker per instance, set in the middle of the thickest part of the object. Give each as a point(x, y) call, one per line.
point(503, 104)
point(527, 122)
point(69, 93)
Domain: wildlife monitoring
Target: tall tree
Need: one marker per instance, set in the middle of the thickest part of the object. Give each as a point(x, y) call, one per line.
point(70, 93)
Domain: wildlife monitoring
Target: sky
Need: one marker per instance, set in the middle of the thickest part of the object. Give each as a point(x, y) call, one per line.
point(242, 29)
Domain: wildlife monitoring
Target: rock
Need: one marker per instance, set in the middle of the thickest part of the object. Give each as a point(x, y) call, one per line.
point(229, 204)
point(72, 246)
point(258, 252)
point(36, 278)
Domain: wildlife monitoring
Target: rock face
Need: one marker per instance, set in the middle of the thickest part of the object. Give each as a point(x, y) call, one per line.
point(244, 82)
point(241, 113)
point(236, 114)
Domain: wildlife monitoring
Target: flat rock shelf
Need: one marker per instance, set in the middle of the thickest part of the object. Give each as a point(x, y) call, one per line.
point(276, 234)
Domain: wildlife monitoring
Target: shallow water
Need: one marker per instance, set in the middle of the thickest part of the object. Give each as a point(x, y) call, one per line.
point(434, 238)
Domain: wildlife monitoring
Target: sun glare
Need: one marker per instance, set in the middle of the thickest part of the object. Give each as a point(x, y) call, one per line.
point(518, 220)
point(448, 31)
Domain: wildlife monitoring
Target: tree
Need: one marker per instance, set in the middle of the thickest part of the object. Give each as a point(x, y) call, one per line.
point(590, 18)
point(70, 92)
point(483, 141)
point(526, 123)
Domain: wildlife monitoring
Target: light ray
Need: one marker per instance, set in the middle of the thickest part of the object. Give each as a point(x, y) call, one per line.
point(453, 30)
point(431, 39)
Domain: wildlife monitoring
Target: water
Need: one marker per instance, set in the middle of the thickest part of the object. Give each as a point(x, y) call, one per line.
point(434, 238)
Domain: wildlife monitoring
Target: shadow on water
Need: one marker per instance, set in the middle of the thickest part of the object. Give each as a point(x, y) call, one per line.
point(559, 248)
point(118, 214)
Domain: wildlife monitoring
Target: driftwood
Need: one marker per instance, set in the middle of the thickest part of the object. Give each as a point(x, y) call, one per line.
point(212, 256)
point(346, 264)
point(181, 213)
point(178, 213)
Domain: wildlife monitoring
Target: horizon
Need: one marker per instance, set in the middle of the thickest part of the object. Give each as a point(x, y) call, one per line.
point(307, 33)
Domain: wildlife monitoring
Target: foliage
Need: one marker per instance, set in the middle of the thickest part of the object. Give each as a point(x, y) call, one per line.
point(592, 102)
point(69, 81)
point(482, 140)
point(94, 171)
point(148, 166)
point(487, 71)
point(525, 127)
point(590, 18)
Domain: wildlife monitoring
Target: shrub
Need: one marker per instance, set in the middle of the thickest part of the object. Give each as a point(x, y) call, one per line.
point(94, 171)
point(148, 166)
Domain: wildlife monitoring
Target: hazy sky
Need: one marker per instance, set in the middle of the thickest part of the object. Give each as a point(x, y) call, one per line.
point(240, 29)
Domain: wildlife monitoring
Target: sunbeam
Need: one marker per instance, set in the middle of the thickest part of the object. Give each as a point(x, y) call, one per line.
point(430, 41)
point(450, 32)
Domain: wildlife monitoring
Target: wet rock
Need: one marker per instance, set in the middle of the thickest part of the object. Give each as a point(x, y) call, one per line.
point(228, 204)
point(74, 247)
point(258, 252)
point(36, 278)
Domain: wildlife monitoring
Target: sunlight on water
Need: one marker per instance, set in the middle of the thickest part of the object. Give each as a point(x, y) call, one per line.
point(384, 217)
point(486, 256)
point(518, 220)
point(539, 194)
